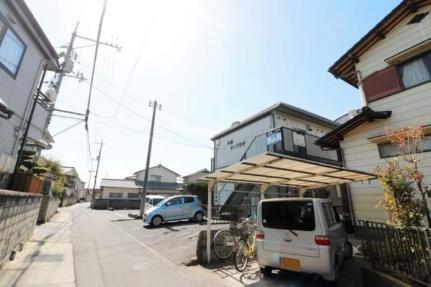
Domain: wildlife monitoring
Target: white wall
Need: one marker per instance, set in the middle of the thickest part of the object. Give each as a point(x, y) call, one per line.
point(166, 175)
point(291, 122)
point(227, 154)
point(409, 107)
point(124, 191)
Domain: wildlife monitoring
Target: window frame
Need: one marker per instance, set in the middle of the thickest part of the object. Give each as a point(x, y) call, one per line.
point(330, 216)
point(116, 193)
point(293, 205)
point(7, 26)
point(399, 154)
point(414, 58)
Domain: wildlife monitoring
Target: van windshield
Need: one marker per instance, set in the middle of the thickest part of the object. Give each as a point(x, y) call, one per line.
point(293, 215)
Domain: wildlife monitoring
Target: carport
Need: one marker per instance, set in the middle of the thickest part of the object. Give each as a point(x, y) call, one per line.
point(273, 169)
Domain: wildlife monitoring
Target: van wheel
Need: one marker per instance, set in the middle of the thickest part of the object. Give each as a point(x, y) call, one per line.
point(266, 271)
point(199, 216)
point(348, 250)
point(334, 283)
point(156, 221)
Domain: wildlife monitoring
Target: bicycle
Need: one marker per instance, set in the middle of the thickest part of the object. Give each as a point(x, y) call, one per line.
point(236, 241)
point(224, 243)
point(246, 246)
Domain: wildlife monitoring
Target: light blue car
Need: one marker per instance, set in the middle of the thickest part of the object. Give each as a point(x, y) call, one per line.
point(175, 208)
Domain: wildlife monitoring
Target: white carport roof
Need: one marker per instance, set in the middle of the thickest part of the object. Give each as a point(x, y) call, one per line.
point(281, 170)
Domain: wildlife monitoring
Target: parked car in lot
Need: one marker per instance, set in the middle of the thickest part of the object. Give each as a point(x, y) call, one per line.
point(302, 235)
point(174, 208)
point(152, 200)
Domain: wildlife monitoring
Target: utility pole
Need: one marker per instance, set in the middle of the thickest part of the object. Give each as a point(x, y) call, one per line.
point(155, 106)
point(67, 65)
point(87, 113)
point(97, 171)
point(88, 184)
point(67, 60)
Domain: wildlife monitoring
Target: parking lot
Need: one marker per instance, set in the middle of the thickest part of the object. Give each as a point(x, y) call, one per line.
point(177, 243)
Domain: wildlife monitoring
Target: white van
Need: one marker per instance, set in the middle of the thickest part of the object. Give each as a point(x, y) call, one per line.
point(302, 235)
point(152, 200)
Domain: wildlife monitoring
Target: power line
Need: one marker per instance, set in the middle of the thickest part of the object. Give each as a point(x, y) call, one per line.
point(147, 119)
point(158, 136)
point(68, 128)
point(129, 79)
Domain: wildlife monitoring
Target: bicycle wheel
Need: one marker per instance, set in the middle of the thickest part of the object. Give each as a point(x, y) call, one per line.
point(224, 244)
point(240, 258)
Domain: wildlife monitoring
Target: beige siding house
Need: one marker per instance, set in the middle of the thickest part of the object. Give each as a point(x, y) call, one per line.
point(390, 68)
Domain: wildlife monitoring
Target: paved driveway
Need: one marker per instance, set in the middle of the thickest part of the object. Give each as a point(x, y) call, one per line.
point(177, 242)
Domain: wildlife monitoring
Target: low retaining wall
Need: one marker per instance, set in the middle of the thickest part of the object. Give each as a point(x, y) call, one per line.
point(18, 215)
point(116, 203)
point(48, 207)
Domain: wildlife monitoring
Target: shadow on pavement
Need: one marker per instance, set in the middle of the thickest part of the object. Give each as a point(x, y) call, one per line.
point(171, 225)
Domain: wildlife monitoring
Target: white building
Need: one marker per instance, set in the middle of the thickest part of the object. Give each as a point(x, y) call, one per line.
point(281, 128)
point(391, 68)
point(161, 181)
point(24, 51)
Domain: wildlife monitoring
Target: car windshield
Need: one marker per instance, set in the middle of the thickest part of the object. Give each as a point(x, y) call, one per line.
point(291, 215)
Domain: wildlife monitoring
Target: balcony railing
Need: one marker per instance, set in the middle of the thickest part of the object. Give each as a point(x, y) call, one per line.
point(290, 142)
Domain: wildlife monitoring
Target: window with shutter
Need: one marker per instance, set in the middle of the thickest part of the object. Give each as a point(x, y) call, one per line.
point(382, 84)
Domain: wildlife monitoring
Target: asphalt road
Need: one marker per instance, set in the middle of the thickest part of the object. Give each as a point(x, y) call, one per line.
point(111, 249)
point(106, 255)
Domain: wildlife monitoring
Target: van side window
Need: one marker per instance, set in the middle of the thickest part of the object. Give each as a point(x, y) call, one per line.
point(329, 214)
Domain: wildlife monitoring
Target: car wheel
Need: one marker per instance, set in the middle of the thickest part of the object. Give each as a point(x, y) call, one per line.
point(156, 220)
point(266, 271)
point(199, 216)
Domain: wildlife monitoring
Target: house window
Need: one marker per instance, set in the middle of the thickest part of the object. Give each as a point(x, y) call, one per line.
point(156, 178)
point(388, 149)
point(115, 195)
point(11, 49)
point(416, 71)
point(132, 195)
point(299, 145)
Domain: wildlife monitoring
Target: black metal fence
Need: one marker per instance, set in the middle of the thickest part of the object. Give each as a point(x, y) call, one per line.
point(221, 214)
point(403, 252)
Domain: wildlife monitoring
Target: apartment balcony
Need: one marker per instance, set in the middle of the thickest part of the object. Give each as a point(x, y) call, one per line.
point(294, 143)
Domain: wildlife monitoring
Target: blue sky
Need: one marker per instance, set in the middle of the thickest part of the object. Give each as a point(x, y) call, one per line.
point(209, 63)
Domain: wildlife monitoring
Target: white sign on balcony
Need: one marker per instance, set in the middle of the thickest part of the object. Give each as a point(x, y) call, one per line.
point(273, 137)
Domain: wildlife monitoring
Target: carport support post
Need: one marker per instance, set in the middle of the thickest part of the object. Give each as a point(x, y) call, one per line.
point(211, 185)
point(338, 188)
point(263, 188)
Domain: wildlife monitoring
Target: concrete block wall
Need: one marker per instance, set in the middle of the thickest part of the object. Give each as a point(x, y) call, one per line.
point(18, 215)
point(48, 207)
